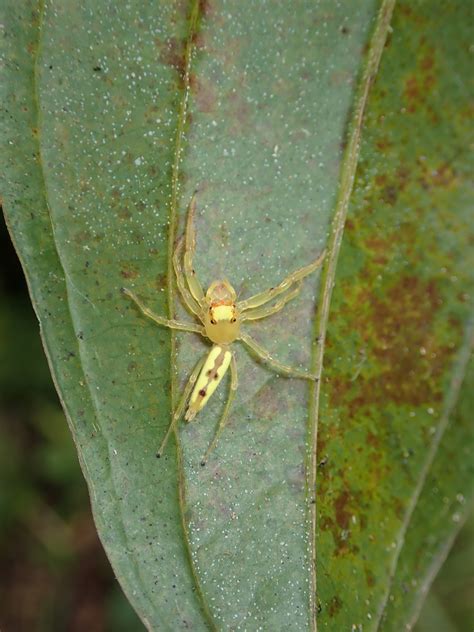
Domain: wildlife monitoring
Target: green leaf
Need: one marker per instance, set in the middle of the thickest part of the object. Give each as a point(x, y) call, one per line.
point(399, 338)
point(443, 505)
point(115, 114)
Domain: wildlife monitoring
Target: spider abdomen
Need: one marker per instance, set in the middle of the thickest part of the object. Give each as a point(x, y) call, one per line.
point(212, 372)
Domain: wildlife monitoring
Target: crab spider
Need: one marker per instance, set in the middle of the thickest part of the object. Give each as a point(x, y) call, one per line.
point(221, 316)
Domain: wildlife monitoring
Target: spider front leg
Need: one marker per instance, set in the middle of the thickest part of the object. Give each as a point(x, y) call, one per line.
point(268, 310)
point(190, 274)
point(268, 295)
point(277, 366)
point(172, 324)
point(181, 280)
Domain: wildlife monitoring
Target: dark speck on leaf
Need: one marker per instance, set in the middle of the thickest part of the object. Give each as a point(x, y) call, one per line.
point(334, 606)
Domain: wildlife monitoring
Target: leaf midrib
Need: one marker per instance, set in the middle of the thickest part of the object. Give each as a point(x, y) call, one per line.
point(193, 24)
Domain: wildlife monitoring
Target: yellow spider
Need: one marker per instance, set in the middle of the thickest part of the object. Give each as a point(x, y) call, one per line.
point(221, 317)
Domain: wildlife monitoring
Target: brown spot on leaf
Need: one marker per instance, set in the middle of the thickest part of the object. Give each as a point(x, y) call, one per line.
point(161, 282)
point(412, 93)
point(373, 440)
point(340, 508)
point(397, 327)
point(239, 111)
point(173, 53)
point(383, 144)
point(123, 213)
point(334, 606)
point(349, 225)
point(205, 7)
point(399, 508)
point(419, 84)
point(370, 578)
point(128, 273)
point(443, 176)
point(204, 94)
point(380, 248)
point(340, 386)
point(390, 195)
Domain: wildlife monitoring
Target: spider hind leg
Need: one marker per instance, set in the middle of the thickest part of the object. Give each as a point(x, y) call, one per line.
point(223, 420)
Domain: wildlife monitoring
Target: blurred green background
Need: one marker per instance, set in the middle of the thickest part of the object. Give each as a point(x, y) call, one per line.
point(54, 573)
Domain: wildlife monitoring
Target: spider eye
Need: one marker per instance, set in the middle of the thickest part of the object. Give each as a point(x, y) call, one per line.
point(213, 322)
point(233, 320)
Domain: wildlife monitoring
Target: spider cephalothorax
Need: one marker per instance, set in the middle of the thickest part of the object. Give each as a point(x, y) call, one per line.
point(221, 317)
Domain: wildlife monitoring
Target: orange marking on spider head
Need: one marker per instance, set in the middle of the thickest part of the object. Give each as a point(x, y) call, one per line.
point(221, 293)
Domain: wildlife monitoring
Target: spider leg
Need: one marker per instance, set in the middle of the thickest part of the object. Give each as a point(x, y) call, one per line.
point(190, 274)
point(225, 414)
point(188, 298)
point(267, 295)
point(172, 324)
point(182, 403)
point(277, 366)
point(267, 310)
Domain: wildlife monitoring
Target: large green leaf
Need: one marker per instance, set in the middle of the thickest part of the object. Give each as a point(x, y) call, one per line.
point(117, 113)
point(399, 338)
